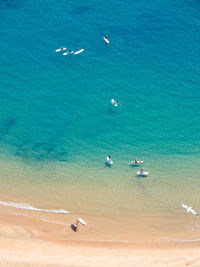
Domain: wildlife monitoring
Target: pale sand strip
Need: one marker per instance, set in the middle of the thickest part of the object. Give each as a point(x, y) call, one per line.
point(30, 241)
point(18, 248)
point(43, 253)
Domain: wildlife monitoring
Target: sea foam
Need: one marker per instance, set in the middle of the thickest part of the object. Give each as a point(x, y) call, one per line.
point(29, 207)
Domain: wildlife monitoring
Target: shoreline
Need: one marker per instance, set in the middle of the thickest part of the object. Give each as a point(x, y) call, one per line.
point(135, 228)
point(128, 226)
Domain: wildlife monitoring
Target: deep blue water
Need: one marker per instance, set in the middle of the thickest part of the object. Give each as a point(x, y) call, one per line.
point(58, 108)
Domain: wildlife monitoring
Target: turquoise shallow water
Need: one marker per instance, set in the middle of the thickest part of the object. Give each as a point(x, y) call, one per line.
point(56, 109)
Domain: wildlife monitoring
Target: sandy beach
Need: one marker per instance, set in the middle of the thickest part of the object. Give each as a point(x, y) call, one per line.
point(23, 252)
point(35, 239)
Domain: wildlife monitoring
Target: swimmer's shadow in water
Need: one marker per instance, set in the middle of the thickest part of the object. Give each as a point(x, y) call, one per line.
point(111, 110)
point(107, 164)
point(134, 166)
point(141, 177)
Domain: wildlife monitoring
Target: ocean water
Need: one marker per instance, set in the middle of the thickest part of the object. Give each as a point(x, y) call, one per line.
point(57, 124)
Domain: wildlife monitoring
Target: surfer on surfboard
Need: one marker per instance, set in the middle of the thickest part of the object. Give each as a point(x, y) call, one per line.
point(79, 51)
point(60, 49)
point(109, 161)
point(113, 102)
point(69, 52)
point(106, 39)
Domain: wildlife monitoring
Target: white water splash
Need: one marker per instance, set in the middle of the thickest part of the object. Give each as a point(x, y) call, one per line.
point(29, 207)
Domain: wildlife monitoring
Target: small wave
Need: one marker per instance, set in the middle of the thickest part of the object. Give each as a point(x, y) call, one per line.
point(29, 207)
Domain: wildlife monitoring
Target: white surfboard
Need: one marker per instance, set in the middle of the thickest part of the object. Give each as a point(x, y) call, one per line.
point(106, 40)
point(59, 50)
point(79, 51)
point(67, 53)
point(109, 160)
point(82, 221)
point(143, 174)
point(133, 163)
point(113, 102)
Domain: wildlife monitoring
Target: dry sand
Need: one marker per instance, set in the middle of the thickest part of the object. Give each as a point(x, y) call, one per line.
point(38, 239)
